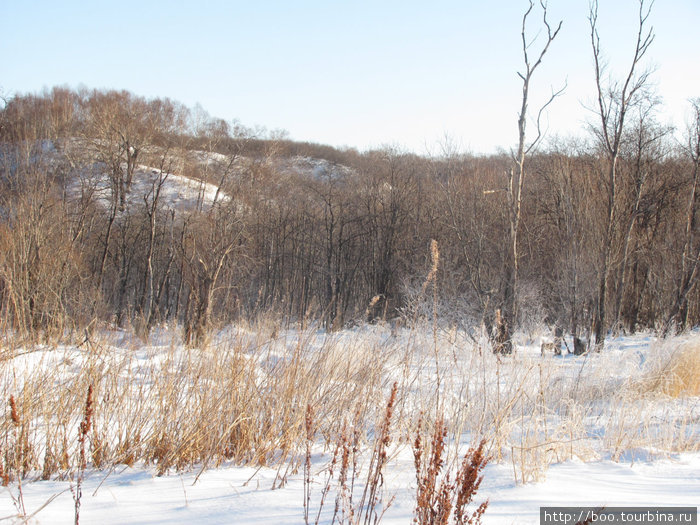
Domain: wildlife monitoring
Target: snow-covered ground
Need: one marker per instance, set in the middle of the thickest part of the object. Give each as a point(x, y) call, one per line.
point(177, 192)
point(635, 450)
point(244, 494)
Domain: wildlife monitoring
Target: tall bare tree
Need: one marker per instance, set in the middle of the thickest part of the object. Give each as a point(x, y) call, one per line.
point(614, 100)
point(516, 174)
point(643, 192)
point(690, 259)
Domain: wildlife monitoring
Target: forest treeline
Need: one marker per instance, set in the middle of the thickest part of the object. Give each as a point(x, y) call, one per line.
point(343, 241)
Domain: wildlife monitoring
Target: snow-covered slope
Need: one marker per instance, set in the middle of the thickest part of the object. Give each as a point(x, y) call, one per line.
point(176, 192)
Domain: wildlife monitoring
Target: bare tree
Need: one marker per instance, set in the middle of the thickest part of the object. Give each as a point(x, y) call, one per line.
point(643, 192)
point(116, 134)
point(563, 235)
point(208, 242)
point(690, 259)
point(41, 290)
point(614, 100)
point(516, 176)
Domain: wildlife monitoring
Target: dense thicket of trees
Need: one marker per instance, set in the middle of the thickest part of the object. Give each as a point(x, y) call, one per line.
point(309, 232)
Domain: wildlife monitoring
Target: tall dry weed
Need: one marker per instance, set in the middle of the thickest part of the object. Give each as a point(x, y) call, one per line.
point(443, 496)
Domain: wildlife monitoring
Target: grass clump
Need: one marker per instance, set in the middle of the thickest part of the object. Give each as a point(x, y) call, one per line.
point(675, 370)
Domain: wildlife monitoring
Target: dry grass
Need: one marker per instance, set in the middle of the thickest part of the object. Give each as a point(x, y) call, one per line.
point(675, 370)
point(357, 500)
point(241, 400)
point(657, 410)
point(245, 400)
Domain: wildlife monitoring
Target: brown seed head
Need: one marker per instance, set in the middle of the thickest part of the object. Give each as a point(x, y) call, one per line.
point(86, 424)
point(13, 411)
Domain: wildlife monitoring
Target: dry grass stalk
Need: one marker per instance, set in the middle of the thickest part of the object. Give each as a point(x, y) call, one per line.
point(435, 262)
point(18, 451)
point(308, 424)
point(327, 486)
point(343, 499)
point(433, 502)
point(370, 508)
point(469, 480)
point(375, 475)
point(436, 494)
point(83, 430)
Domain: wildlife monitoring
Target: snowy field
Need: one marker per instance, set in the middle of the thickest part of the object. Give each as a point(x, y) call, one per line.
point(176, 433)
point(243, 494)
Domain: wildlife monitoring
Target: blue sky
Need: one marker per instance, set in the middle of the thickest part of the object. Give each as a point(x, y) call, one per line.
point(360, 74)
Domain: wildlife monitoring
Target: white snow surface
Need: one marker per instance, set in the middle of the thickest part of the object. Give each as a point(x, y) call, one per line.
point(244, 495)
point(178, 193)
point(319, 169)
point(249, 495)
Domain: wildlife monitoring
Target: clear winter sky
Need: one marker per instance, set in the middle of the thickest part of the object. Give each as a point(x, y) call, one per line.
point(347, 73)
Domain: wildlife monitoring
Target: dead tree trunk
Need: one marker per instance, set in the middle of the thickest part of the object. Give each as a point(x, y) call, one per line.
point(516, 179)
